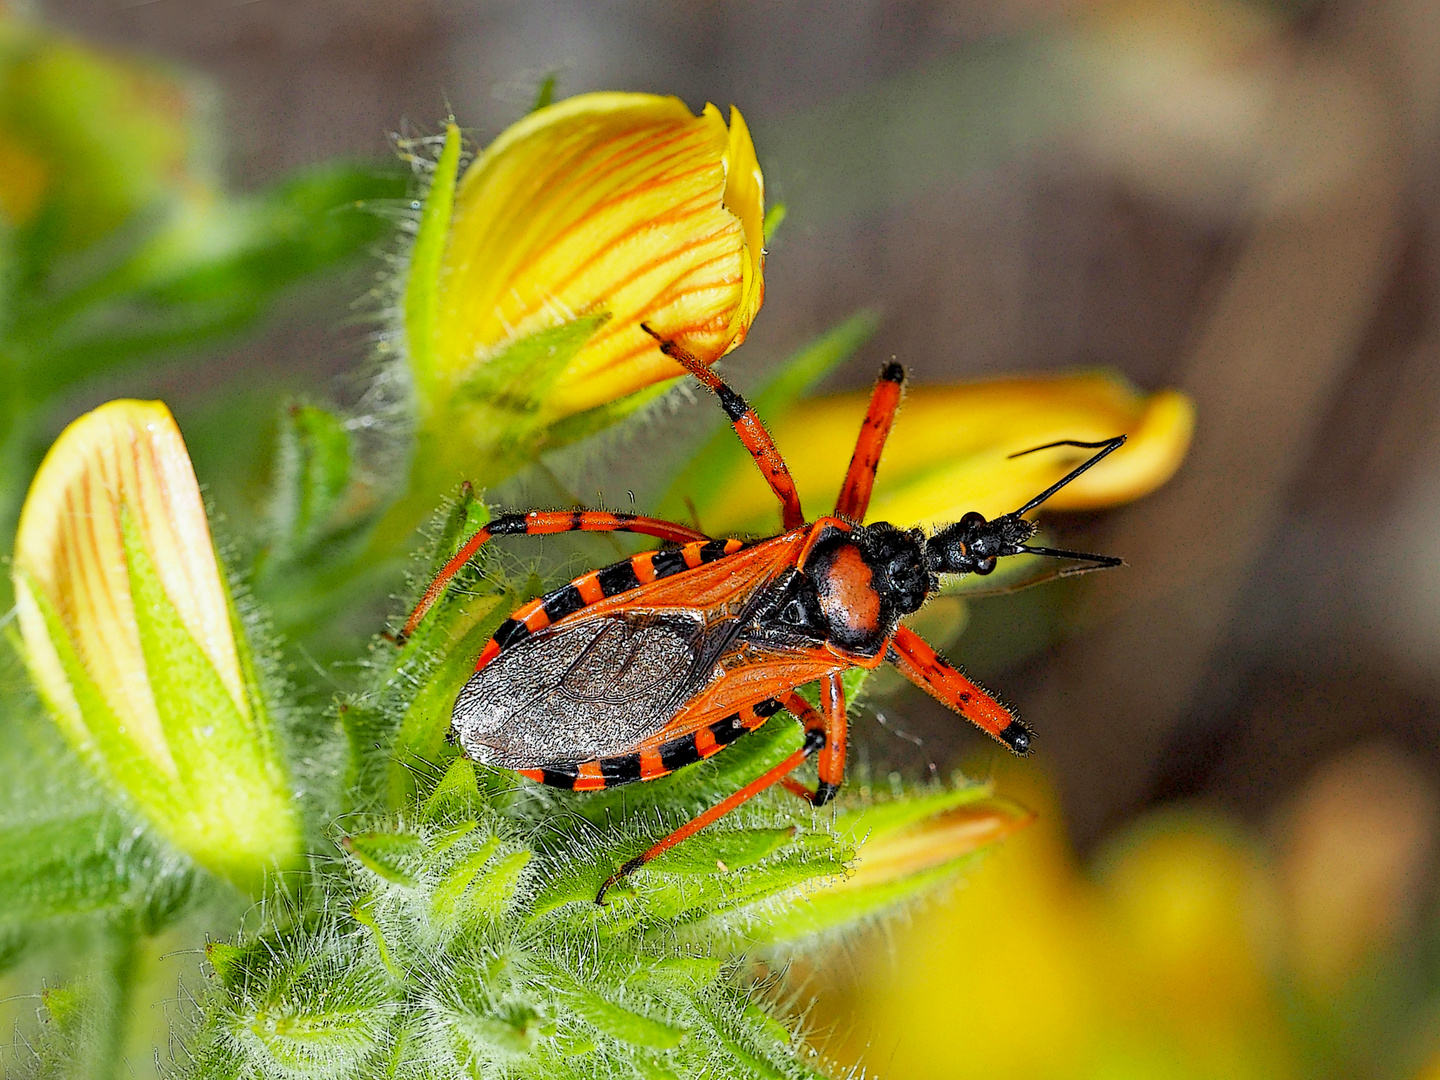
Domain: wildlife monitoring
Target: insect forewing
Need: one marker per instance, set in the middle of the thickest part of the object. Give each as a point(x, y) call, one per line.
point(590, 688)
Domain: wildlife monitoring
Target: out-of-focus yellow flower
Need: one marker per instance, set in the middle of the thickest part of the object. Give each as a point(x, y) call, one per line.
point(625, 205)
point(1358, 839)
point(97, 138)
point(1034, 971)
point(133, 643)
point(949, 450)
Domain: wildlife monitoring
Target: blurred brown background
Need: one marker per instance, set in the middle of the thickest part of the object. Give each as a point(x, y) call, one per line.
point(1237, 199)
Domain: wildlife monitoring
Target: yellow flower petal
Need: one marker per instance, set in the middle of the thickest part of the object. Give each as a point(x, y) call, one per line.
point(69, 544)
point(949, 450)
point(624, 204)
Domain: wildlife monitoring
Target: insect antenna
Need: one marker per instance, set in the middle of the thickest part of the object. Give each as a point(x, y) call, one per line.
point(1100, 562)
point(1108, 446)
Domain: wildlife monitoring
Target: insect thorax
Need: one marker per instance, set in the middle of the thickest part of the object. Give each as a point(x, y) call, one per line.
point(864, 580)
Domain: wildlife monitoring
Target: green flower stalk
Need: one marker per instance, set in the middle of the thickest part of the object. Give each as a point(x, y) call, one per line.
point(131, 637)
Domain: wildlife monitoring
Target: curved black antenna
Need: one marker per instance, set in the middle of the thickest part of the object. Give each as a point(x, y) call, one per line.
point(1065, 442)
point(1109, 445)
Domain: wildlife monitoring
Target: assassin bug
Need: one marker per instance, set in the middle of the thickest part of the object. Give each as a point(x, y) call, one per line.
point(640, 668)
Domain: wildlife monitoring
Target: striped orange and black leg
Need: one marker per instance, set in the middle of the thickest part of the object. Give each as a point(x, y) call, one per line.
point(814, 741)
point(830, 722)
point(748, 426)
point(545, 523)
point(860, 477)
point(919, 663)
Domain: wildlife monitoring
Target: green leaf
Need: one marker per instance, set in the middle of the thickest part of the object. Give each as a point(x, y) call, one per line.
point(202, 273)
point(723, 454)
point(494, 890)
point(621, 1023)
point(932, 856)
point(723, 851)
point(456, 795)
point(420, 747)
point(65, 866)
point(316, 1013)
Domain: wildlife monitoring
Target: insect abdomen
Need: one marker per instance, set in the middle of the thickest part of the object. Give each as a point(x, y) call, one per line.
point(661, 761)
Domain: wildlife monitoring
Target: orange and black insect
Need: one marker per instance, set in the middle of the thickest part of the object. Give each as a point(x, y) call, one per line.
point(641, 668)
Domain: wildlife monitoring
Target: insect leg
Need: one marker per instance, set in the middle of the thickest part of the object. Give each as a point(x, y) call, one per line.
point(544, 523)
point(814, 740)
point(919, 663)
point(860, 477)
point(748, 426)
point(832, 727)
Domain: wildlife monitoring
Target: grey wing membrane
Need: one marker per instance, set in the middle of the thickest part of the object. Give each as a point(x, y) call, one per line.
point(586, 689)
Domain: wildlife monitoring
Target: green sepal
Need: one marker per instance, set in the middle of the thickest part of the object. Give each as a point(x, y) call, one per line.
point(396, 857)
point(723, 851)
point(517, 380)
point(582, 425)
point(422, 277)
point(312, 475)
point(99, 738)
point(240, 819)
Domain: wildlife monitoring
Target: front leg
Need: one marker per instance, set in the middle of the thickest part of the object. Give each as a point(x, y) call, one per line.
point(919, 663)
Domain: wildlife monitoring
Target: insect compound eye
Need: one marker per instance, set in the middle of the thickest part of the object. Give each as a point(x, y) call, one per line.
point(972, 519)
point(984, 566)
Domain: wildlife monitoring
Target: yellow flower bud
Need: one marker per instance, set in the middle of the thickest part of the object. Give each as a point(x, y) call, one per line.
point(891, 853)
point(949, 450)
point(529, 280)
point(131, 638)
point(903, 848)
point(625, 205)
